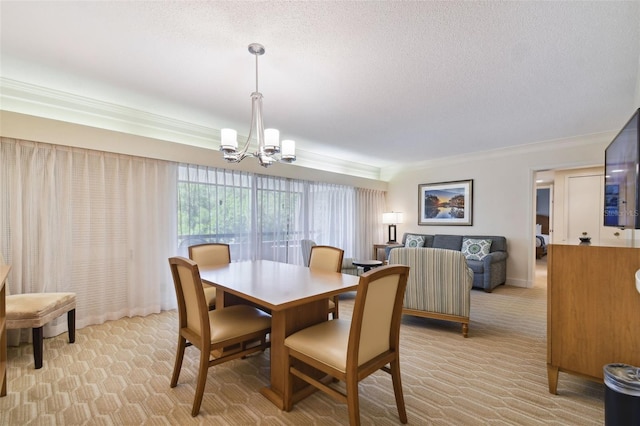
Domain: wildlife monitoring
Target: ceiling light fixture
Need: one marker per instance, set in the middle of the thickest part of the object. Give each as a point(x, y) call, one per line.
point(268, 139)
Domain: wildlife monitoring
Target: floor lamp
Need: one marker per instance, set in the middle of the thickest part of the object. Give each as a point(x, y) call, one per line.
point(392, 219)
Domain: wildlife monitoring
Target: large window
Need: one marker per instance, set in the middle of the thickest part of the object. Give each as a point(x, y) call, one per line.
point(214, 206)
point(262, 217)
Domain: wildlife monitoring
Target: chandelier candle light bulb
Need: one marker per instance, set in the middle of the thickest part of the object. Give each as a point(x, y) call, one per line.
point(268, 139)
point(272, 140)
point(229, 140)
point(288, 151)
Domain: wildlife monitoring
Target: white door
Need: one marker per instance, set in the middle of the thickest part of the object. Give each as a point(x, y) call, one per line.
point(585, 213)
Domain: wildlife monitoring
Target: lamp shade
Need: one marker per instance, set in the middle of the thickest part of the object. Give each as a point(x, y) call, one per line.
point(229, 139)
point(288, 148)
point(272, 138)
point(391, 218)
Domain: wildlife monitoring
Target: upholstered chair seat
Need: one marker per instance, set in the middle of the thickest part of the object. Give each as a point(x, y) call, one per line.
point(34, 310)
point(326, 342)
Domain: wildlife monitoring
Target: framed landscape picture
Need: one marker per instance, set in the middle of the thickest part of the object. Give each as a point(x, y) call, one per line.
point(445, 203)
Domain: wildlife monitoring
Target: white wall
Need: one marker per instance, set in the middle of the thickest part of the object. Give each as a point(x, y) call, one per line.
point(503, 192)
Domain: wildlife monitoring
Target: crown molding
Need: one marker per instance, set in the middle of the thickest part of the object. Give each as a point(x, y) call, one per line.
point(39, 101)
point(535, 147)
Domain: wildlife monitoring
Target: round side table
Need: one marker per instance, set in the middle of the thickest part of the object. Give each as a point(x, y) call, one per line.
point(367, 264)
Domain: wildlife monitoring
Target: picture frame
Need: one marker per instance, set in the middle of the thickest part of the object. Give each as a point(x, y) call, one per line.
point(446, 203)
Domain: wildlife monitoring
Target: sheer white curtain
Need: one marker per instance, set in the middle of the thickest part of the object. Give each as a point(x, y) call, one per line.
point(265, 217)
point(332, 216)
point(370, 205)
point(98, 224)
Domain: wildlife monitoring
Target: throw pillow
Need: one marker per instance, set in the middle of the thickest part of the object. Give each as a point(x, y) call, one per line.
point(475, 249)
point(414, 241)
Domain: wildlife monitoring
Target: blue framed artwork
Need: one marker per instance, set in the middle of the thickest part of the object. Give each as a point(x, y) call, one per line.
point(446, 203)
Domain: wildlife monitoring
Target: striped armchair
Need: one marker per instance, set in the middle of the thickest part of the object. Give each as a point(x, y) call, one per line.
point(439, 284)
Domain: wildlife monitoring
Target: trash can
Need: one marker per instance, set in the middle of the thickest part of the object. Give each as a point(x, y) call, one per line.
point(621, 395)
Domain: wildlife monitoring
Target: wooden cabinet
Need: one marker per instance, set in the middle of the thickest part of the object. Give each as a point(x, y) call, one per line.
point(593, 311)
point(4, 271)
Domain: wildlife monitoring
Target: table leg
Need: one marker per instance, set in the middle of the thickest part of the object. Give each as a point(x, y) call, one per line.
point(284, 323)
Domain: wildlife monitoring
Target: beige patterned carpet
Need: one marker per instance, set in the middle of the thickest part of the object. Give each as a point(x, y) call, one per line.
point(118, 373)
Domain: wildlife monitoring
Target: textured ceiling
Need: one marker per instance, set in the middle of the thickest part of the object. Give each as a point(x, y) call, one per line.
point(380, 83)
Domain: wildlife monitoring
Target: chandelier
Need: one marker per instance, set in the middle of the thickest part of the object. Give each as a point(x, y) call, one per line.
point(268, 139)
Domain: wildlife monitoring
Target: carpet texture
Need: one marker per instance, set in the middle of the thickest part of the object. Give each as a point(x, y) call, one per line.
point(118, 373)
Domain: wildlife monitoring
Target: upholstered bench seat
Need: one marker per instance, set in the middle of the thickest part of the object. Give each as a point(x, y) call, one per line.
point(34, 310)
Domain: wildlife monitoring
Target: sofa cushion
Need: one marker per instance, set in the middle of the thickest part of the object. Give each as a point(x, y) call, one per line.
point(498, 243)
point(414, 241)
point(449, 242)
point(475, 249)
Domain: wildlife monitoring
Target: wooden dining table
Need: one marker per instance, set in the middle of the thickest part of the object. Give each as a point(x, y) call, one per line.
point(296, 297)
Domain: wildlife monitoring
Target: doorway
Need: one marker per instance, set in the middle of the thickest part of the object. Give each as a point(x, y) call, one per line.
point(543, 214)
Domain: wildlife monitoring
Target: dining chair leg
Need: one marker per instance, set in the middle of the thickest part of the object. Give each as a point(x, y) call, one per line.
point(182, 343)
point(397, 390)
point(336, 299)
point(202, 381)
point(37, 336)
point(353, 403)
point(71, 325)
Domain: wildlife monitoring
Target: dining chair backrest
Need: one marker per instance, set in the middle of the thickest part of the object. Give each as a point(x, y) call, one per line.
point(210, 254)
point(326, 258)
point(192, 306)
point(377, 313)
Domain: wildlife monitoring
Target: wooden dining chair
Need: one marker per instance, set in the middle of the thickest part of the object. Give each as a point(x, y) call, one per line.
point(327, 258)
point(210, 254)
point(221, 335)
point(358, 347)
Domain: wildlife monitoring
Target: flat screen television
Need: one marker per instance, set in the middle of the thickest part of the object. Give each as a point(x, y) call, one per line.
point(621, 185)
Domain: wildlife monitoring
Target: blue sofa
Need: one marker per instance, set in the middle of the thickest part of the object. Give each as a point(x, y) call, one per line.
point(488, 273)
